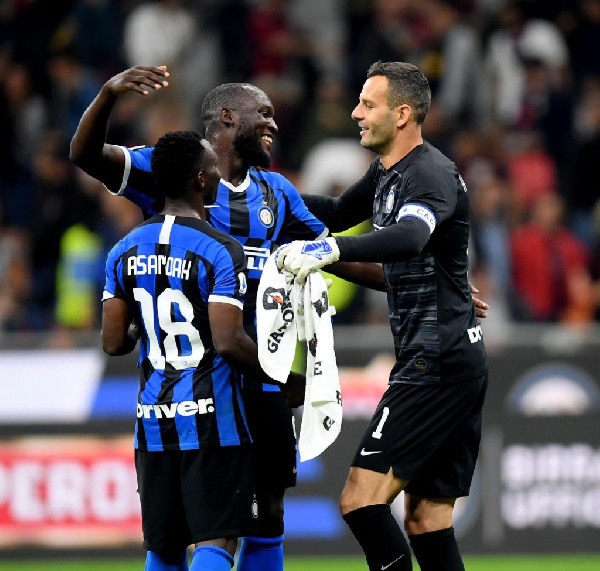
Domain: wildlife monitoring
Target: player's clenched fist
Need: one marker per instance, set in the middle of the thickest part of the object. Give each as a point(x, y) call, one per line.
point(301, 257)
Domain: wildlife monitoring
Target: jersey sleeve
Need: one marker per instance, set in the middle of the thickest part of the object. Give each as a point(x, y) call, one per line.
point(113, 285)
point(137, 185)
point(299, 224)
point(431, 196)
point(398, 242)
point(229, 282)
point(353, 206)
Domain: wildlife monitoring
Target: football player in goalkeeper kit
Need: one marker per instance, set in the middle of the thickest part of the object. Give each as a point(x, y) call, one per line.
point(424, 435)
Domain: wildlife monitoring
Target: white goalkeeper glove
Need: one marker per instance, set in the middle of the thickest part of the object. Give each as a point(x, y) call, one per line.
point(301, 257)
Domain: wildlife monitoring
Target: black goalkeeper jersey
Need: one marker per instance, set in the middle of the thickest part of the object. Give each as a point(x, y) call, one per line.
point(432, 317)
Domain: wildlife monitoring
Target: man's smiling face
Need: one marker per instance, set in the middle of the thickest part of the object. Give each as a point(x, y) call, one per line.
point(256, 129)
point(374, 116)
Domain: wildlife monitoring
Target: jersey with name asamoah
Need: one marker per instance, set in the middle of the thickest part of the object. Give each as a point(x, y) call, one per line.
point(436, 335)
point(168, 270)
point(262, 213)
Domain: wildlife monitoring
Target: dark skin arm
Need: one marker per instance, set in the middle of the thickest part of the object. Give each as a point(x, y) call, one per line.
point(89, 149)
point(118, 335)
point(234, 345)
point(229, 338)
point(360, 273)
point(371, 276)
point(481, 307)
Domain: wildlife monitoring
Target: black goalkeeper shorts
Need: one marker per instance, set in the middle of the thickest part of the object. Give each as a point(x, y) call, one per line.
point(428, 434)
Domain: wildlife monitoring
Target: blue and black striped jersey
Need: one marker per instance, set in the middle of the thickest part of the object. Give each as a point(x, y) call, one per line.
point(262, 213)
point(168, 270)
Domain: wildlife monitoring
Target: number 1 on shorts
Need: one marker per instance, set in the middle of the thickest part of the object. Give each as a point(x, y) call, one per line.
point(377, 433)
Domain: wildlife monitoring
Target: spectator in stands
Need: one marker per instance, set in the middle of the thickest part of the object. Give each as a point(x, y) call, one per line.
point(73, 87)
point(57, 204)
point(158, 31)
point(584, 190)
point(98, 34)
point(516, 41)
point(452, 54)
point(595, 263)
point(539, 65)
point(22, 123)
point(273, 40)
point(387, 32)
point(584, 41)
point(550, 273)
point(322, 23)
point(489, 204)
point(531, 171)
point(14, 280)
point(78, 277)
point(28, 111)
point(325, 121)
point(234, 41)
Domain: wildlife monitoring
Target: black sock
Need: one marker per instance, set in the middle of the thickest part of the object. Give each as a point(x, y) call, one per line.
point(380, 537)
point(437, 550)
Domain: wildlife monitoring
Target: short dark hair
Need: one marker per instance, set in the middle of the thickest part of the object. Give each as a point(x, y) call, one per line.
point(407, 85)
point(227, 95)
point(177, 157)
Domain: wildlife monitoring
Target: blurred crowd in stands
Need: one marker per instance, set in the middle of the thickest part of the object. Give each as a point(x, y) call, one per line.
point(516, 104)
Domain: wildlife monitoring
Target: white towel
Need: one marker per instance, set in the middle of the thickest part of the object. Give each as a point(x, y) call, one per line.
point(286, 311)
point(275, 321)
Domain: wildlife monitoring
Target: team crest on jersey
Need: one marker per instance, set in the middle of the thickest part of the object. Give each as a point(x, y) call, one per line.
point(421, 365)
point(389, 202)
point(265, 215)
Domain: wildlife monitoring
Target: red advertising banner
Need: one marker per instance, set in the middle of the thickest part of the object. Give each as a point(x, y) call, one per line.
point(363, 387)
point(76, 491)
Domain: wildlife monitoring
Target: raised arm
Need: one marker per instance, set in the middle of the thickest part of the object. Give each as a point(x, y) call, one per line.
point(89, 149)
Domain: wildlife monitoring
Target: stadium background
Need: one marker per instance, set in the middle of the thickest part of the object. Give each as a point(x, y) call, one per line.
point(516, 104)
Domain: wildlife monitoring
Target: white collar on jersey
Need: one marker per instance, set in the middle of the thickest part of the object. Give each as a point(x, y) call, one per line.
point(242, 187)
